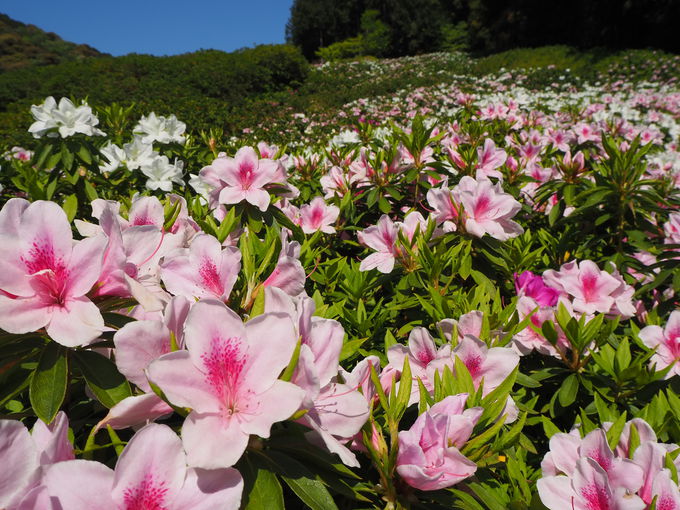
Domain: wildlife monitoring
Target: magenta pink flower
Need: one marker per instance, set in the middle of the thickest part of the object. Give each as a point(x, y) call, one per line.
point(204, 270)
point(317, 215)
point(428, 457)
point(229, 378)
point(531, 285)
point(45, 276)
point(666, 342)
point(151, 473)
point(242, 177)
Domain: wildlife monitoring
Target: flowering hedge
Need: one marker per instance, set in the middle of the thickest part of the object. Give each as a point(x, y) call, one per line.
point(470, 309)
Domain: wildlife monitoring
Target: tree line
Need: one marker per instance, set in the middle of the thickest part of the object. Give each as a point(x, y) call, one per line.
point(407, 27)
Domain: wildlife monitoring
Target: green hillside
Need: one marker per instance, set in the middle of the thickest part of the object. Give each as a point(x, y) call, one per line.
point(24, 45)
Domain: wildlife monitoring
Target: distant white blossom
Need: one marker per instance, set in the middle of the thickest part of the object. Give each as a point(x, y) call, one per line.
point(161, 173)
point(63, 120)
point(156, 128)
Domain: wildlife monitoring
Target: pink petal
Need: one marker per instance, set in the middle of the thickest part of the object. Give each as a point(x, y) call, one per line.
point(23, 315)
point(227, 440)
point(19, 457)
point(154, 464)
point(276, 404)
point(135, 410)
point(182, 383)
point(52, 440)
point(79, 322)
point(271, 342)
point(75, 484)
point(382, 261)
point(137, 345)
point(556, 492)
point(86, 264)
point(214, 489)
point(210, 321)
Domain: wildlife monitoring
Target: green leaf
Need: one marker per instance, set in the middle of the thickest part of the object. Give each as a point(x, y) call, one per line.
point(614, 432)
point(103, 377)
point(350, 348)
point(302, 482)
point(49, 381)
point(262, 490)
point(567, 393)
point(70, 207)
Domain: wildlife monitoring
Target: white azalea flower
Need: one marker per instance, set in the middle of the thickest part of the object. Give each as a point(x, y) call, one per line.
point(115, 157)
point(138, 153)
point(64, 118)
point(162, 173)
point(160, 129)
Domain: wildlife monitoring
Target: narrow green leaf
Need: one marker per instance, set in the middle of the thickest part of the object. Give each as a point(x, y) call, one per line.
point(262, 490)
point(49, 381)
point(302, 482)
point(103, 377)
point(567, 393)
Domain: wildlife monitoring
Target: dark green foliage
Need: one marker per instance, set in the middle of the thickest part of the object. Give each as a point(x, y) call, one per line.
point(199, 87)
point(314, 24)
point(26, 45)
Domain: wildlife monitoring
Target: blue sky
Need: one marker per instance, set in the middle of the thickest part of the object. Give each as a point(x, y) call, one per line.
point(169, 27)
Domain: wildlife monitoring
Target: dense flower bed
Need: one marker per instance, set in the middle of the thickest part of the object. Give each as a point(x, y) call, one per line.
point(460, 296)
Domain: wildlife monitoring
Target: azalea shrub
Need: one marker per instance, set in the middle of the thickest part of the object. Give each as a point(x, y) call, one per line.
point(459, 300)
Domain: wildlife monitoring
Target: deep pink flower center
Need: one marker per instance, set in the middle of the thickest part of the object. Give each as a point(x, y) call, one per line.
point(210, 278)
point(49, 272)
point(148, 495)
point(596, 498)
point(246, 172)
point(589, 283)
point(482, 206)
point(317, 217)
point(474, 365)
point(224, 363)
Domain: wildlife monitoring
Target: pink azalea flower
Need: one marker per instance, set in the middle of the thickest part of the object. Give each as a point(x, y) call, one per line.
point(242, 177)
point(468, 324)
point(382, 238)
point(137, 345)
point(488, 210)
point(336, 411)
point(531, 285)
point(591, 289)
point(492, 365)
point(428, 457)
point(47, 275)
point(588, 489)
point(672, 229)
point(317, 215)
point(288, 275)
point(26, 455)
point(228, 376)
point(151, 473)
point(666, 342)
point(530, 339)
point(489, 159)
point(204, 270)
point(421, 351)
